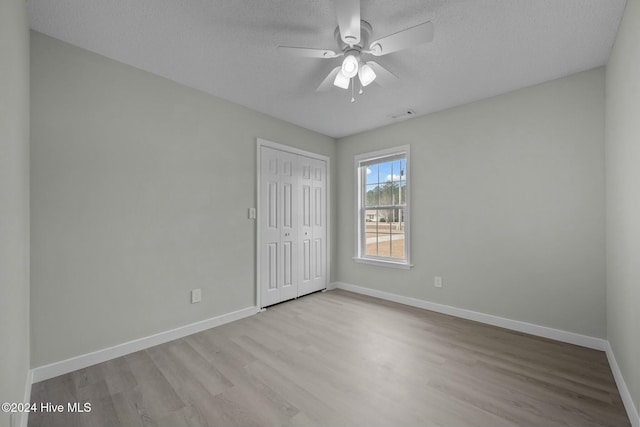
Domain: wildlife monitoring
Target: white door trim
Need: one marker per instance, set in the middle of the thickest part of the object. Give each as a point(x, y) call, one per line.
point(286, 148)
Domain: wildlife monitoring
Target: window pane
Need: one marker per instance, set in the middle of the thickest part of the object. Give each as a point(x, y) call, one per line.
point(373, 195)
point(402, 193)
point(385, 194)
point(385, 172)
point(383, 221)
point(371, 244)
point(371, 173)
point(397, 246)
point(399, 170)
point(397, 234)
point(397, 229)
point(395, 194)
point(384, 247)
point(370, 219)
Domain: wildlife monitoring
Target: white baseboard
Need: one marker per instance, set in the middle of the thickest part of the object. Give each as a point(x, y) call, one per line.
point(45, 372)
point(516, 325)
point(632, 411)
point(331, 286)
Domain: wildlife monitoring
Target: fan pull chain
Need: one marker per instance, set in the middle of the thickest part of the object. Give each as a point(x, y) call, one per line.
point(353, 97)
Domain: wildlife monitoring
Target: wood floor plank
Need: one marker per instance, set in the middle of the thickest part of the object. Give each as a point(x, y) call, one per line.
point(339, 358)
point(153, 395)
point(188, 388)
point(130, 413)
point(118, 375)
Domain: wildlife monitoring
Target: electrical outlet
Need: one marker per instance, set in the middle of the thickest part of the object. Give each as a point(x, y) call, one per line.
point(437, 282)
point(252, 213)
point(196, 296)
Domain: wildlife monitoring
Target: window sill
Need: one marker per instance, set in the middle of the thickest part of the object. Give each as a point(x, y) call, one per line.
point(384, 263)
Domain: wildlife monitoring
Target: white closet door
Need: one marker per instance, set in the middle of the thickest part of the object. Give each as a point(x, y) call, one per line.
point(313, 229)
point(278, 226)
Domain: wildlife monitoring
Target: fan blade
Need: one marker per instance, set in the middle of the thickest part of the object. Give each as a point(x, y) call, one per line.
point(327, 83)
point(421, 33)
point(384, 77)
point(308, 52)
point(348, 12)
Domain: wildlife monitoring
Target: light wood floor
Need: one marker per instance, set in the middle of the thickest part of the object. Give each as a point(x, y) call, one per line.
point(342, 359)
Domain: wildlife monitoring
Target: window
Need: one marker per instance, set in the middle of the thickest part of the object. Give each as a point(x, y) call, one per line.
point(383, 207)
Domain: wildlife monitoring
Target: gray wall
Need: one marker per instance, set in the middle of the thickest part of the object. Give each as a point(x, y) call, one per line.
point(623, 198)
point(507, 206)
point(140, 190)
point(14, 202)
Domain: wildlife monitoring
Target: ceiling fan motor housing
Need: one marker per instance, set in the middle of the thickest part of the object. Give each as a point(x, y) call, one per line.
point(365, 36)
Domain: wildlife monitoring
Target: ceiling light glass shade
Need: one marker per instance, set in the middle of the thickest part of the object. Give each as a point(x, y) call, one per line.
point(350, 66)
point(366, 75)
point(341, 81)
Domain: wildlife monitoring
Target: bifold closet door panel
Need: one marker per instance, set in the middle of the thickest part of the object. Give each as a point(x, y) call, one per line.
point(313, 213)
point(278, 225)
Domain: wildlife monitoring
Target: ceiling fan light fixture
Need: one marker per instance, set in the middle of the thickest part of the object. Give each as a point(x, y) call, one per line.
point(366, 75)
point(350, 66)
point(341, 81)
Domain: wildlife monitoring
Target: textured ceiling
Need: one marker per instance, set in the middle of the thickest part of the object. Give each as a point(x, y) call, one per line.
point(227, 48)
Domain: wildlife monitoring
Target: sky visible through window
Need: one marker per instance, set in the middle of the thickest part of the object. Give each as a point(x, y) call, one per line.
point(388, 171)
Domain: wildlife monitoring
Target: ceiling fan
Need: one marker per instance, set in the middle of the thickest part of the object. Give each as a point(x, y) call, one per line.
point(352, 36)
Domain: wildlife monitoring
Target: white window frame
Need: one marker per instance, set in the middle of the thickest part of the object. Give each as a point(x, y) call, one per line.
point(360, 209)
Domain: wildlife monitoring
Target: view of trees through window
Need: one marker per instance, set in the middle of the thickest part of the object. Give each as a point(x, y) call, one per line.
point(384, 208)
